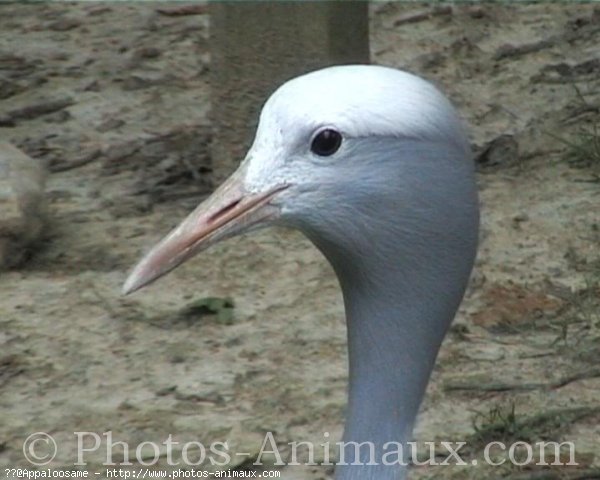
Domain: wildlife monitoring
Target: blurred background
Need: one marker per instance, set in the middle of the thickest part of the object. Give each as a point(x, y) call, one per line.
point(110, 104)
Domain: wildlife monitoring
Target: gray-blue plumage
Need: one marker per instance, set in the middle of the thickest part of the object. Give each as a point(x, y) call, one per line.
point(394, 209)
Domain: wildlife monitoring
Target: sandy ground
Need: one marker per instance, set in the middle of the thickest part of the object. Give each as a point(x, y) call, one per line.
point(76, 356)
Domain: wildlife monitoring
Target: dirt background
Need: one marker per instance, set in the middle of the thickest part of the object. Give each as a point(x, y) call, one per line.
point(125, 138)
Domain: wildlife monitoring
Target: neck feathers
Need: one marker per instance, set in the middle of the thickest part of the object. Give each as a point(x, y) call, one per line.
point(403, 273)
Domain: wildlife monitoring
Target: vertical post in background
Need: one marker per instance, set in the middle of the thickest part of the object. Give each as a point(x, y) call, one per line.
point(256, 46)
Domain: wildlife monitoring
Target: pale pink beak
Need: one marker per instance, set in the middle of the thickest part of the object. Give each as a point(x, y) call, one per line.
point(229, 211)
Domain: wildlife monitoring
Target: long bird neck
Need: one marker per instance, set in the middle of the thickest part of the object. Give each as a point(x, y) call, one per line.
point(403, 272)
point(395, 328)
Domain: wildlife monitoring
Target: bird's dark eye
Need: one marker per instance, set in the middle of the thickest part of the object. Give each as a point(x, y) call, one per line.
point(326, 142)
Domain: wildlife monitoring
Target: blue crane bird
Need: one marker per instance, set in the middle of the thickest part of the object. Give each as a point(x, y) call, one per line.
point(372, 164)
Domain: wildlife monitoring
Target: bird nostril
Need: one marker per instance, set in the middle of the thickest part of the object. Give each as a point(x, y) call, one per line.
point(224, 210)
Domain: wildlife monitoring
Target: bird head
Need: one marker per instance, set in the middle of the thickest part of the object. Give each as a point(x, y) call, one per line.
point(344, 154)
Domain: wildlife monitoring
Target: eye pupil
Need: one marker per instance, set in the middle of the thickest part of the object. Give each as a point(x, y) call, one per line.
point(326, 142)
